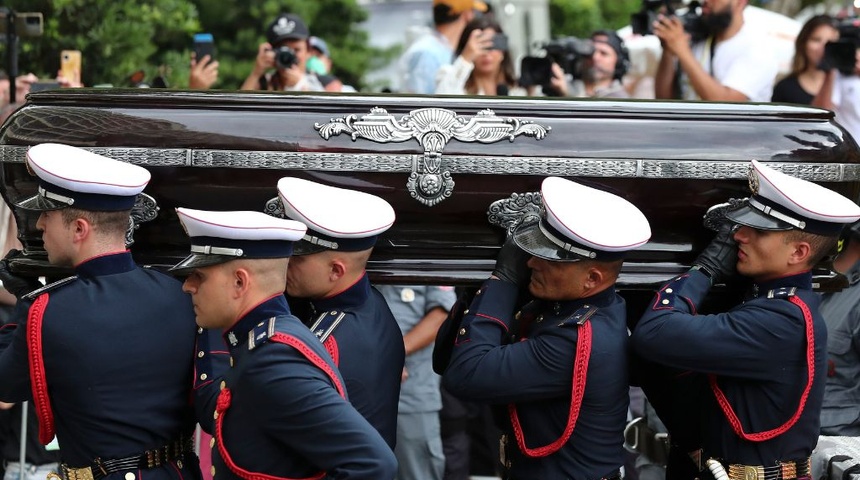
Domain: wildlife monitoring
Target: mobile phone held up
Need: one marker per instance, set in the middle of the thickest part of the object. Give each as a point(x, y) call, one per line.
point(70, 64)
point(204, 44)
point(500, 42)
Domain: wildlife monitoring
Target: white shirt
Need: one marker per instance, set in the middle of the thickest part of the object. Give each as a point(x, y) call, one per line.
point(745, 62)
point(846, 103)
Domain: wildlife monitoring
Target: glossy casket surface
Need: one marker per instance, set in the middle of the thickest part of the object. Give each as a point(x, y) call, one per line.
point(441, 161)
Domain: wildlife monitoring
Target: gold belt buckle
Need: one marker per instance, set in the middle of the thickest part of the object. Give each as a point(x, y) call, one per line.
point(85, 473)
point(746, 472)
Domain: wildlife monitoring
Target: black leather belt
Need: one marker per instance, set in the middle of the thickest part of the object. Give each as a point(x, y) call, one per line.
point(616, 475)
point(174, 451)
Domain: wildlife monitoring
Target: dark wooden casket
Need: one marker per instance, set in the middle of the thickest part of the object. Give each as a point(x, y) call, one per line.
point(449, 165)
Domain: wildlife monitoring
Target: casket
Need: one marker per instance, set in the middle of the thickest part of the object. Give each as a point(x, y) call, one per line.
point(458, 170)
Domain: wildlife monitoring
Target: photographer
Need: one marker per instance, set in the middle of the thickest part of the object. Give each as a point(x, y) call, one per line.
point(287, 52)
point(602, 71)
point(841, 90)
point(730, 65)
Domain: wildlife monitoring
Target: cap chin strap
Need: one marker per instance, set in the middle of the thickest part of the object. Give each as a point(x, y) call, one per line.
point(800, 224)
point(319, 241)
point(565, 245)
point(56, 196)
point(210, 250)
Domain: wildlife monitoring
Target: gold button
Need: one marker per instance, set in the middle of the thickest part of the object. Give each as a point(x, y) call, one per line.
point(518, 315)
point(129, 476)
point(465, 311)
point(203, 376)
point(212, 470)
point(231, 361)
point(668, 290)
point(665, 301)
point(223, 384)
point(200, 354)
point(179, 464)
point(199, 329)
point(539, 318)
point(212, 442)
point(462, 331)
point(215, 415)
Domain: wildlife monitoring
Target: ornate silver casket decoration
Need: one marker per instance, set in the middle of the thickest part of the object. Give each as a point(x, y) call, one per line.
point(516, 209)
point(145, 209)
point(430, 182)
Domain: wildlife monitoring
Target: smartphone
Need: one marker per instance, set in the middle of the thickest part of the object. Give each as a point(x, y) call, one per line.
point(500, 42)
point(204, 44)
point(70, 64)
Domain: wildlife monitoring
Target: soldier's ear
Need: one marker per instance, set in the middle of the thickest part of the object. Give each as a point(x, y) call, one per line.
point(800, 253)
point(337, 269)
point(241, 280)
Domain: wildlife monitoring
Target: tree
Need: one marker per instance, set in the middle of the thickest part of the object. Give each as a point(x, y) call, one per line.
point(116, 37)
point(581, 17)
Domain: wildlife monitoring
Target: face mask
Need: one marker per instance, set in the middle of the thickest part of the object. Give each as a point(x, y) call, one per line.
point(315, 65)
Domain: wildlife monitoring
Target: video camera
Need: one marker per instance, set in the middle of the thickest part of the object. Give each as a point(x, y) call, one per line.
point(285, 57)
point(643, 20)
point(841, 54)
point(568, 52)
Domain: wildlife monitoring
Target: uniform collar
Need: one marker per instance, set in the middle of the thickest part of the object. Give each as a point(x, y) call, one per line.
point(273, 307)
point(568, 307)
point(801, 281)
point(108, 264)
point(353, 296)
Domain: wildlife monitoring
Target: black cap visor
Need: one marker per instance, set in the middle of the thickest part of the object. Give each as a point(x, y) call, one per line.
point(198, 260)
point(531, 239)
point(39, 203)
point(754, 218)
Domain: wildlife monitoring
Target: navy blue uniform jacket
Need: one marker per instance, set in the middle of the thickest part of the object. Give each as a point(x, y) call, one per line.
point(533, 367)
point(757, 352)
point(367, 348)
point(279, 413)
point(117, 351)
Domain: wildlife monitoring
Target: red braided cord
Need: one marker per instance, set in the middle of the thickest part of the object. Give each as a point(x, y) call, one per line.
point(580, 372)
point(225, 398)
point(38, 379)
point(330, 345)
point(810, 374)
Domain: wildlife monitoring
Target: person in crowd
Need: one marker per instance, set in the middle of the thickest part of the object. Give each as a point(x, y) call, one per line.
point(732, 64)
point(602, 72)
point(203, 73)
point(347, 314)
point(320, 64)
point(419, 311)
point(558, 366)
point(806, 76)
point(746, 386)
point(481, 68)
point(422, 60)
point(281, 62)
point(840, 414)
point(107, 354)
point(282, 410)
point(841, 94)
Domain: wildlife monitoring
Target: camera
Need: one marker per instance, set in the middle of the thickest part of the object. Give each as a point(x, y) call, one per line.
point(27, 24)
point(285, 57)
point(643, 20)
point(568, 52)
point(841, 54)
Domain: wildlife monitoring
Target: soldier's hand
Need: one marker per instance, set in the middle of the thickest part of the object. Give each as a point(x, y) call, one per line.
point(720, 258)
point(511, 264)
point(15, 284)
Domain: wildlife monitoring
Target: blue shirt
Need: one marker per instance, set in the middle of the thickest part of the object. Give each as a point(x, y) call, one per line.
point(422, 60)
point(420, 391)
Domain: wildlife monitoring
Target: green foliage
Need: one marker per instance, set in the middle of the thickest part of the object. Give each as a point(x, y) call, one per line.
point(581, 17)
point(120, 37)
point(116, 37)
